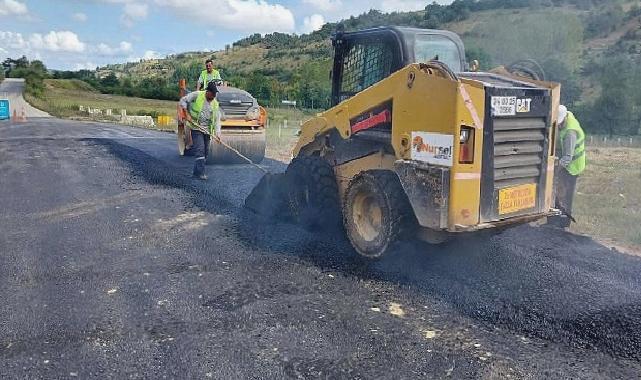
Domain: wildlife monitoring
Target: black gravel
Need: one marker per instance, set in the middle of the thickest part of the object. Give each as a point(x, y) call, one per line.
point(115, 263)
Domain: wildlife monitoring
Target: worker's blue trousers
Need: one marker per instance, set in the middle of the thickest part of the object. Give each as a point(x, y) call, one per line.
point(200, 150)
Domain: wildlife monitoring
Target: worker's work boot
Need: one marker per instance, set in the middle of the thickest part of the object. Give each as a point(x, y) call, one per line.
point(199, 168)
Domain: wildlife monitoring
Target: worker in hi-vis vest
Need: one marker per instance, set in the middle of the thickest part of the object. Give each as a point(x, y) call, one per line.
point(571, 145)
point(202, 116)
point(208, 75)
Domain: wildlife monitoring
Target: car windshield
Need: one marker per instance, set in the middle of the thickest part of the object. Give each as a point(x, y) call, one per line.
point(430, 46)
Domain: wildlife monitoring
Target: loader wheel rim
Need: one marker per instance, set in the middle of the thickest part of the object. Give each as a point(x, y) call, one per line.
point(367, 216)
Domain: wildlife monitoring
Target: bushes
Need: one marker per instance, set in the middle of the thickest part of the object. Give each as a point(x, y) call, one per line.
point(34, 74)
point(616, 111)
point(604, 20)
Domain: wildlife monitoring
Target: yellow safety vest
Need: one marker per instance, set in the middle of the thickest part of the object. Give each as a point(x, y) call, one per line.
point(206, 77)
point(577, 165)
point(198, 105)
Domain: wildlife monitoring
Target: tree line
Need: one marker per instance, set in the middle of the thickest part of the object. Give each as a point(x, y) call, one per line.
point(555, 40)
point(34, 73)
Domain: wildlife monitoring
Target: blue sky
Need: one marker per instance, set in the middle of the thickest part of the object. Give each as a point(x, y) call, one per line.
point(75, 34)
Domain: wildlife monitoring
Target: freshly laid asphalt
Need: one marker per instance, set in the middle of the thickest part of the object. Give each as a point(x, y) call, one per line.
point(115, 263)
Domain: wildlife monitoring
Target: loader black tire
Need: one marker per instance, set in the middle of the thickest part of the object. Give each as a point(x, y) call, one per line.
point(312, 198)
point(376, 213)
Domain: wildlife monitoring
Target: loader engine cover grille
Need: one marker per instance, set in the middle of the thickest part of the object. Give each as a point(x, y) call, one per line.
point(515, 152)
point(518, 151)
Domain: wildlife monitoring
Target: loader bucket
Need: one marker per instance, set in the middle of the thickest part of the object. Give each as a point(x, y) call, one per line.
point(269, 197)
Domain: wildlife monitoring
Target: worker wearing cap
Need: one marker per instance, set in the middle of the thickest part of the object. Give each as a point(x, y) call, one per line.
point(203, 119)
point(208, 75)
point(571, 161)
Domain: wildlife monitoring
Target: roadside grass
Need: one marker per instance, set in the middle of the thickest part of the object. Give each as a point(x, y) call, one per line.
point(282, 138)
point(63, 98)
point(608, 200)
point(70, 84)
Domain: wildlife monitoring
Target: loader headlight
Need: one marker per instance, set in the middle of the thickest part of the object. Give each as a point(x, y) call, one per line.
point(253, 113)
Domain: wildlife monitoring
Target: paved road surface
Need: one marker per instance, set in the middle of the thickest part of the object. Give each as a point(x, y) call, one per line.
point(11, 88)
point(114, 263)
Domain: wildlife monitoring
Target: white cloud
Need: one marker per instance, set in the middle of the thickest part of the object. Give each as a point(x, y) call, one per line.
point(256, 16)
point(85, 66)
point(12, 7)
point(325, 5)
point(63, 41)
point(123, 48)
point(61, 46)
point(335, 10)
point(313, 23)
point(133, 12)
point(402, 5)
point(105, 49)
point(150, 54)
point(79, 16)
point(11, 41)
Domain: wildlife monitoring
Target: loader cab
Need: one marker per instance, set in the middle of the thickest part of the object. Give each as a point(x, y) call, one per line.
point(363, 58)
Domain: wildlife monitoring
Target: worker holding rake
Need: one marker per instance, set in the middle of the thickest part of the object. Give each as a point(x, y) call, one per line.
point(203, 118)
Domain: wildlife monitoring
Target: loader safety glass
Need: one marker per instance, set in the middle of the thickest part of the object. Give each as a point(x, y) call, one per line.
point(430, 46)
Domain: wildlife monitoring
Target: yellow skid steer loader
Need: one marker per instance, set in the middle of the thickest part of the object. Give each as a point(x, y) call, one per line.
point(416, 144)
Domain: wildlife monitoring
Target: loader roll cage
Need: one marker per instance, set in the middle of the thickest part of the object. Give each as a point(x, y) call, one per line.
point(366, 57)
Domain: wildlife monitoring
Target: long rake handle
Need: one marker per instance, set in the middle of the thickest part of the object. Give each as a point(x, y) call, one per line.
point(221, 142)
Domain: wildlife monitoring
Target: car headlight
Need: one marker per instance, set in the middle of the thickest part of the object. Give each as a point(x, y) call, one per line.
point(253, 113)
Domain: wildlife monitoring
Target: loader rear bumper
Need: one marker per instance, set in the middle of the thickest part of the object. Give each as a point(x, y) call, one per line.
point(511, 222)
point(428, 190)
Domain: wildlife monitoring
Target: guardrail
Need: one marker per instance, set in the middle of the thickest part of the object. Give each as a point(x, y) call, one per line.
point(122, 118)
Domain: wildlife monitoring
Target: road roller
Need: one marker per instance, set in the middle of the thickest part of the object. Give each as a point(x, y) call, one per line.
point(243, 123)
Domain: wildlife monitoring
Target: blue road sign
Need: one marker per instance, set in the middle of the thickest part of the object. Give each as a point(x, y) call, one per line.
point(4, 109)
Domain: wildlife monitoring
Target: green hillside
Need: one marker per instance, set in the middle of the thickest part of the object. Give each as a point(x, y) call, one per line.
point(592, 47)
